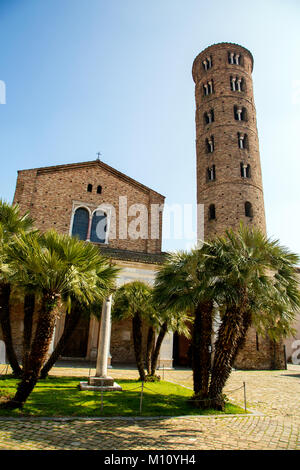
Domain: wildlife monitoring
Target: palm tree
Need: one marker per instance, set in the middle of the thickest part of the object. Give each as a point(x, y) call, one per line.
point(77, 311)
point(12, 223)
point(29, 308)
point(184, 284)
point(57, 267)
point(258, 282)
point(134, 300)
point(106, 274)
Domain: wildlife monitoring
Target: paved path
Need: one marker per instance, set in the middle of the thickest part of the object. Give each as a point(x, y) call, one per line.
point(274, 394)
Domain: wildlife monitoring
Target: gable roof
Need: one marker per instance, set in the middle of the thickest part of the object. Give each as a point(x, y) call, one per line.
point(91, 164)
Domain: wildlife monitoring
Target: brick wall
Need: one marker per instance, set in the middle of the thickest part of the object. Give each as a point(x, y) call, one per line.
point(50, 194)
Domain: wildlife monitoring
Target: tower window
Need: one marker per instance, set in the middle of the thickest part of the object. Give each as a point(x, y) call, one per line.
point(237, 84)
point(245, 170)
point(208, 88)
point(211, 173)
point(207, 63)
point(212, 212)
point(234, 59)
point(89, 188)
point(99, 189)
point(242, 141)
point(209, 117)
point(248, 209)
point(210, 145)
point(240, 113)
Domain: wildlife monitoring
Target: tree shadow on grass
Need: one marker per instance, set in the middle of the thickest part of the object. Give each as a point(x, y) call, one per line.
point(61, 397)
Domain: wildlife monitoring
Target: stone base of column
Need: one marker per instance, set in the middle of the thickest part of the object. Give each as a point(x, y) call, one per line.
point(165, 364)
point(100, 383)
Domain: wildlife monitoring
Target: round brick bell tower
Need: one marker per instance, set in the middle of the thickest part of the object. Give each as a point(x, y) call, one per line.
point(229, 181)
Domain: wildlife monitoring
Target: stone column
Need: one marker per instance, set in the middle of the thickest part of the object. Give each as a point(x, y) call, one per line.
point(2, 352)
point(104, 339)
point(166, 352)
point(101, 381)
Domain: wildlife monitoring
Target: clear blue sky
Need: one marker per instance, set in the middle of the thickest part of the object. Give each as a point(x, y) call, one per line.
point(115, 76)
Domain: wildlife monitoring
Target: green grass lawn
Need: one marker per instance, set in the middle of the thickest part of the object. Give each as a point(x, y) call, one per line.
point(60, 396)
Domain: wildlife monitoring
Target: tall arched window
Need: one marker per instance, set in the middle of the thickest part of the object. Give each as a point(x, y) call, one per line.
point(99, 227)
point(248, 209)
point(81, 223)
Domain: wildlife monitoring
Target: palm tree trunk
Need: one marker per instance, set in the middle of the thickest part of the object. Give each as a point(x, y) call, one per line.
point(247, 320)
point(138, 343)
point(228, 341)
point(5, 290)
point(150, 346)
point(38, 353)
point(159, 340)
point(29, 306)
point(70, 326)
point(201, 349)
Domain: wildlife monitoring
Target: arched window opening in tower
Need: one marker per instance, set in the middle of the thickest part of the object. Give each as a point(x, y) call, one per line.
point(209, 117)
point(210, 146)
point(240, 113)
point(245, 170)
point(242, 141)
point(211, 173)
point(99, 189)
point(237, 84)
point(208, 88)
point(212, 212)
point(98, 227)
point(81, 223)
point(234, 59)
point(89, 188)
point(207, 63)
point(248, 209)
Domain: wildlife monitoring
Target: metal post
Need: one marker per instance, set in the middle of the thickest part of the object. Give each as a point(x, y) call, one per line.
point(245, 402)
point(101, 397)
point(141, 399)
point(285, 361)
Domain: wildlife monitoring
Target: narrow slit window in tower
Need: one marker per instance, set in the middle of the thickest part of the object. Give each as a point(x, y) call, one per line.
point(248, 209)
point(212, 212)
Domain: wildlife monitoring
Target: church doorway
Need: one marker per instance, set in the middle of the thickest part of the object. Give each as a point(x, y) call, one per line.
point(77, 345)
point(181, 351)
